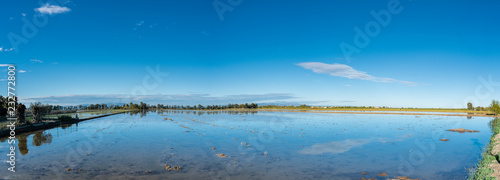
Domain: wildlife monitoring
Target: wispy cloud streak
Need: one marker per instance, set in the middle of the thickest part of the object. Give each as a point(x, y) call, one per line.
point(342, 70)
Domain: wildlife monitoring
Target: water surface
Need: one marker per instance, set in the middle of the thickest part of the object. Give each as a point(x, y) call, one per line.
point(258, 145)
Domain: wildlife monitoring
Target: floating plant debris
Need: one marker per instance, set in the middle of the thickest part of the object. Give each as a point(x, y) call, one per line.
point(462, 130)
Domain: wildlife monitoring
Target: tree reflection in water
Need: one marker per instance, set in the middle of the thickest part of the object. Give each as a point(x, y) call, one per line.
point(39, 138)
point(23, 145)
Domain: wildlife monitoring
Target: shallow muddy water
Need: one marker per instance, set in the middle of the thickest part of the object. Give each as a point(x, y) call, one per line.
point(251, 145)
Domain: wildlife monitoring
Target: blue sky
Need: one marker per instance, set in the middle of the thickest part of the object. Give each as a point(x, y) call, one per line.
point(428, 54)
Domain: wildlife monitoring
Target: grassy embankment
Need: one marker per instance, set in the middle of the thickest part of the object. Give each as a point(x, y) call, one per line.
point(483, 170)
point(85, 113)
point(55, 117)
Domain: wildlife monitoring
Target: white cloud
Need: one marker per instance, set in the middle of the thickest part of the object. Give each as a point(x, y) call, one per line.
point(23, 14)
point(6, 50)
point(342, 70)
point(138, 24)
point(52, 9)
point(348, 85)
point(36, 61)
point(21, 71)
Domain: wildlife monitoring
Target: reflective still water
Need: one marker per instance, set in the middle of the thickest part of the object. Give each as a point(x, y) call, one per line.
point(251, 145)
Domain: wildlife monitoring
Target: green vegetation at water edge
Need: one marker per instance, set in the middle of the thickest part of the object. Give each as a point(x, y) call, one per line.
point(483, 170)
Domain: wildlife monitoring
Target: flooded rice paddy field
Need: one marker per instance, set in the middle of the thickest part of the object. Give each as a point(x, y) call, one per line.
point(251, 145)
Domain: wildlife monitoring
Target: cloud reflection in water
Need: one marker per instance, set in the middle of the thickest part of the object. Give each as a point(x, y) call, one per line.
point(336, 147)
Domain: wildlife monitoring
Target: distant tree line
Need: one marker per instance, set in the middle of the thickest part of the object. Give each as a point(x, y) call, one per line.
point(325, 107)
point(144, 106)
point(38, 110)
point(494, 107)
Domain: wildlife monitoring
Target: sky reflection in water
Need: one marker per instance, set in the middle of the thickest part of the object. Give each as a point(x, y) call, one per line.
point(258, 145)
